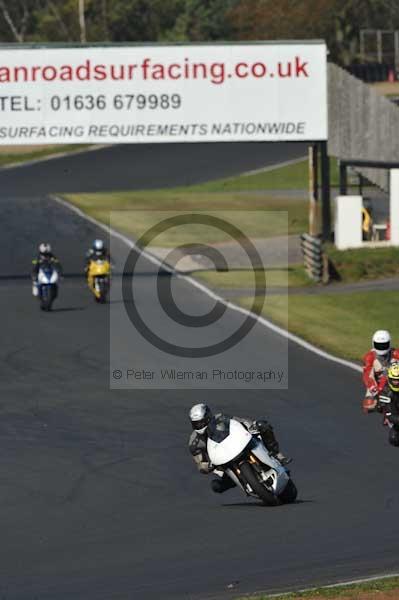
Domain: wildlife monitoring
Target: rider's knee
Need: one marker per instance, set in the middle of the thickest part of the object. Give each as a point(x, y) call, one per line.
point(217, 486)
point(267, 435)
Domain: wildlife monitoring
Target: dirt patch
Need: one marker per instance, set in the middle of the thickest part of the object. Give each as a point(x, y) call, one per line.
point(386, 88)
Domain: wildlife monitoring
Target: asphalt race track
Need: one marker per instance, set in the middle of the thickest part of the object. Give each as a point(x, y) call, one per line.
point(144, 166)
point(99, 497)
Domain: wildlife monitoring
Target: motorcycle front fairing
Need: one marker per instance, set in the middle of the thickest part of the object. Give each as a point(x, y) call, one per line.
point(47, 277)
point(47, 282)
point(98, 275)
point(99, 268)
point(226, 441)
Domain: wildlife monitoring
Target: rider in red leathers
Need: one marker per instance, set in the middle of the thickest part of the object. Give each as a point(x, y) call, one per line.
point(375, 365)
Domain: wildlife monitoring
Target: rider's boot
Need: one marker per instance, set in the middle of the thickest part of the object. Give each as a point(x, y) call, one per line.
point(285, 460)
point(222, 484)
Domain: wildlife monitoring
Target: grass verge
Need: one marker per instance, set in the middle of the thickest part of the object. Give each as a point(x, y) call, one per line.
point(338, 323)
point(290, 177)
point(294, 276)
point(136, 212)
point(364, 263)
point(12, 158)
point(379, 588)
point(329, 321)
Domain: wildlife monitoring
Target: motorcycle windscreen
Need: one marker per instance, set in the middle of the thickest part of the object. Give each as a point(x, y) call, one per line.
point(54, 277)
point(227, 438)
point(44, 276)
point(47, 273)
point(219, 428)
point(99, 267)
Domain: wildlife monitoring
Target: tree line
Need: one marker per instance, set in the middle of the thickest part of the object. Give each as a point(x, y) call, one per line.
point(337, 21)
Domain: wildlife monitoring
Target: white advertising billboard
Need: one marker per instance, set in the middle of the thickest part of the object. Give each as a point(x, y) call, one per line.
point(163, 93)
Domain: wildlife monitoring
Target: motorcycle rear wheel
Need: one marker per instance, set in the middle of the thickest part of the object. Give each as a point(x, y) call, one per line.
point(268, 498)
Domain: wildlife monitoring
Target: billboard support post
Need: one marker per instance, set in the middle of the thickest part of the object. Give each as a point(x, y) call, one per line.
point(343, 179)
point(325, 192)
point(313, 190)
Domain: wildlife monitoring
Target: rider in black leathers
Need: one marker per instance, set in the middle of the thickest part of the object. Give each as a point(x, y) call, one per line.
point(389, 398)
point(45, 255)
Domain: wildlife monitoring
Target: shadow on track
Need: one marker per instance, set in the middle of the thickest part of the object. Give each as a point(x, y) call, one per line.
point(255, 504)
point(27, 277)
point(68, 309)
point(82, 276)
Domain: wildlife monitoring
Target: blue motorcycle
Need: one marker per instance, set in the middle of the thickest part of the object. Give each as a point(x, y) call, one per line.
point(47, 285)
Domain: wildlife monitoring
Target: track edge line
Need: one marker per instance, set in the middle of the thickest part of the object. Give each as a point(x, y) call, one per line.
point(340, 584)
point(262, 320)
point(55, 156)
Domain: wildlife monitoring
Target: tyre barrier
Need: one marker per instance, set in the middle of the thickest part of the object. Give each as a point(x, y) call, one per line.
point(315, 261)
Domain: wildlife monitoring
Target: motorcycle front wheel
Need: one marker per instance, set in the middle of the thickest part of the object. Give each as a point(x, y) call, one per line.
point(46, 300)
point(268, 498)
point(103, 297)
point(289, 494)
point(100, 294)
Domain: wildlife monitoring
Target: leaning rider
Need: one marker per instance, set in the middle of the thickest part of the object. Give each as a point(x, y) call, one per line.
point(375, 364)
point(200, 417)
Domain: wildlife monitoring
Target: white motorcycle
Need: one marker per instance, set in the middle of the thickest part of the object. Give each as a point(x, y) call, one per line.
point(47, 286)
point(233, 450)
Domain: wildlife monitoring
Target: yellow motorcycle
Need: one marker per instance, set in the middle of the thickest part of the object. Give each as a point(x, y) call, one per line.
point(98, 278)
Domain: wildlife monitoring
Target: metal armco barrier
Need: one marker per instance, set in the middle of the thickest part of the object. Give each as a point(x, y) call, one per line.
point(316, 262)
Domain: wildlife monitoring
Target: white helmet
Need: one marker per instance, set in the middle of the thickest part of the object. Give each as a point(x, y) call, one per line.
point(98, 245)
point(44, 248)
point(382, 342)
point(200, 416)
